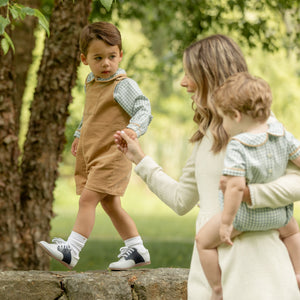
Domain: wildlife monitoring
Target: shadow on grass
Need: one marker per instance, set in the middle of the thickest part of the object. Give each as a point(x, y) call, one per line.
point(98, 254)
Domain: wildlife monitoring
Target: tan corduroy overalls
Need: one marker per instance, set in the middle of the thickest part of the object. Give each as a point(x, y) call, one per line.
point(100, 166)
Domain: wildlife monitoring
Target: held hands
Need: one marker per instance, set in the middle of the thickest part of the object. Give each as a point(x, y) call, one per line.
point(225, 233)
point(128, 146)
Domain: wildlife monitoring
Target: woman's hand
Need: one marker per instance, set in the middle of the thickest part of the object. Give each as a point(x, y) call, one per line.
point(130, 147)
point(74, 146)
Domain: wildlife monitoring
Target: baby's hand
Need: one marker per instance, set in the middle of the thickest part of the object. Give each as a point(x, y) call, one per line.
point(225, 233)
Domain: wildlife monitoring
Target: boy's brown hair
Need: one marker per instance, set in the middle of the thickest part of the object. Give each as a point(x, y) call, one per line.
point(104, 31)
point(245, 93)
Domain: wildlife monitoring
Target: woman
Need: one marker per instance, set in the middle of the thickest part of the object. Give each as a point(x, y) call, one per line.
point(257, 266)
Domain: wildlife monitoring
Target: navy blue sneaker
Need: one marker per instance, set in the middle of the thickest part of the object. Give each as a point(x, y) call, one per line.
point(61, 251)
point(130, 258)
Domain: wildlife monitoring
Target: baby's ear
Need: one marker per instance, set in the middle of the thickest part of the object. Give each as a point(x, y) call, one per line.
point(237, 116)
point(83, 59)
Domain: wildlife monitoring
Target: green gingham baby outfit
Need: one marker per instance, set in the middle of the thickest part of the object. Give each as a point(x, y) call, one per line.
point(260, 158)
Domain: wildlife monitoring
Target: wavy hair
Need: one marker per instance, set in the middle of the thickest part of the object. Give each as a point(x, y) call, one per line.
point(209, 62)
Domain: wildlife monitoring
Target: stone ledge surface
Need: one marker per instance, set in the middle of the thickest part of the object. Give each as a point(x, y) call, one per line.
point(137, 284)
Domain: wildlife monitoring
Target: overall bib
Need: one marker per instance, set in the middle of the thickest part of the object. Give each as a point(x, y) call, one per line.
point(100, 166)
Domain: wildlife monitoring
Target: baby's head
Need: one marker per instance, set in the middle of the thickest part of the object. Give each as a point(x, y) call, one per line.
point(246, 94)
point(104, 31)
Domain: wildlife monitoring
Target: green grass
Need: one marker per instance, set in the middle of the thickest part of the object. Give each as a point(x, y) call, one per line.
point(168, 237)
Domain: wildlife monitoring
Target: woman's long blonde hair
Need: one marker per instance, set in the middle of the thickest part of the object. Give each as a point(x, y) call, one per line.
point(209, 62)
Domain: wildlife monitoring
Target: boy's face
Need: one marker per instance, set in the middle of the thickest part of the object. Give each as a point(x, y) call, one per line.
point(102, 58)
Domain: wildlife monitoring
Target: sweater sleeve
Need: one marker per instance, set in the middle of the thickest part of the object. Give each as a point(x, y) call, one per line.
point(181, 196)
point(281, 192)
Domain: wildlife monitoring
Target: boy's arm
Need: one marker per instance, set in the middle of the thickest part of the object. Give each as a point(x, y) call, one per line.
point(232, 198)
point(130, 97)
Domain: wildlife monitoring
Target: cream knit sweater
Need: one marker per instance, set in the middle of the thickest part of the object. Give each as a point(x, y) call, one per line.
point(257, 266)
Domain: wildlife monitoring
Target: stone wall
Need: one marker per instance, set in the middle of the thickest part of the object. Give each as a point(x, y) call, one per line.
point(138, 284)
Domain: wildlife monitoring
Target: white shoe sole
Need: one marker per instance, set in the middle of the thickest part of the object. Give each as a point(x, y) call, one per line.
point(50, 254)
point(124, 269)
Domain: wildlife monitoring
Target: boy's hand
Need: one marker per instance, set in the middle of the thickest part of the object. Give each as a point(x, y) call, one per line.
point(131, 133)
point(74, 146)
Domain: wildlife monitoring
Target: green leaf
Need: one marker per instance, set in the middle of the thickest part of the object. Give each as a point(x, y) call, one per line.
point(107, 4)
point(4, 2)
point(4, 46)
point(3, 23)
point(28, 11)
point(42, 20)
point(15, 12)
point(6, 42)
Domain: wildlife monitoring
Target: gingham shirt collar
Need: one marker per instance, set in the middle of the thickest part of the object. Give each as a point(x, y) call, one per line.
point(255, 140)
point(92, 77)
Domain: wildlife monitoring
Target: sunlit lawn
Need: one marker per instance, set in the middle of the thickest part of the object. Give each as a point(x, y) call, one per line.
point(168, 237)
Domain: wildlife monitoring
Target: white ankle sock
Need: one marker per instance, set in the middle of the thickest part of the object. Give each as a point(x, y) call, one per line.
point(135, 242)
point(76, 241)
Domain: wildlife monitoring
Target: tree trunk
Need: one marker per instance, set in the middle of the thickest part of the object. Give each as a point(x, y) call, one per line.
point(45, 138)
point(9, 175)
point(24, 41)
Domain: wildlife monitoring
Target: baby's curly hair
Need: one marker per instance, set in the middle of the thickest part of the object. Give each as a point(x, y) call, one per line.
point(245, 93)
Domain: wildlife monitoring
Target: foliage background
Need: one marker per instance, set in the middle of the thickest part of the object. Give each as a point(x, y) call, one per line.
point(153, 59)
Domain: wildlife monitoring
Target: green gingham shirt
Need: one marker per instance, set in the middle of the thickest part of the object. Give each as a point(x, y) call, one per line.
point(261, 158)
point(130, 97)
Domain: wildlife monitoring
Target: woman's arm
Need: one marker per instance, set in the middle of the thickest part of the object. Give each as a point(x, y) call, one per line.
point(181, 196)
point(281, 192)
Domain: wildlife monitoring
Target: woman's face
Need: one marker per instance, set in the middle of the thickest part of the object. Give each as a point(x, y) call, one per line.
point(187, 81)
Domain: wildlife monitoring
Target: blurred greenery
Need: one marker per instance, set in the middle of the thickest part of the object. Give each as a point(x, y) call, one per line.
point(149, 58)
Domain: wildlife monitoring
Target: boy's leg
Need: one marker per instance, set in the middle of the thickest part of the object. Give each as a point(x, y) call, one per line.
point(85, 219)
point(67, 252)
point(290, 235)
point(207, 241)
point(134, 253)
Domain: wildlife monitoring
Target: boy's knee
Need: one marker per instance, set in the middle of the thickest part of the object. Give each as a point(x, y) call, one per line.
point(198, 241)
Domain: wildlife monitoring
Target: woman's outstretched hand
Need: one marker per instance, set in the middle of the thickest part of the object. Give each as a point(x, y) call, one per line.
point(130, 147)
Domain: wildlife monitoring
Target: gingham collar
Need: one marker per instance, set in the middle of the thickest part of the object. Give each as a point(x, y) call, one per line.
point(92, 77)
point(255, 140)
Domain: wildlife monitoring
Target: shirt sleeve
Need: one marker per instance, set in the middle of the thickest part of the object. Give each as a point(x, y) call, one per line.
point(130, 97)
point(77, 132)
point(181, 196)
point(293, 146)
point(234, 162)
